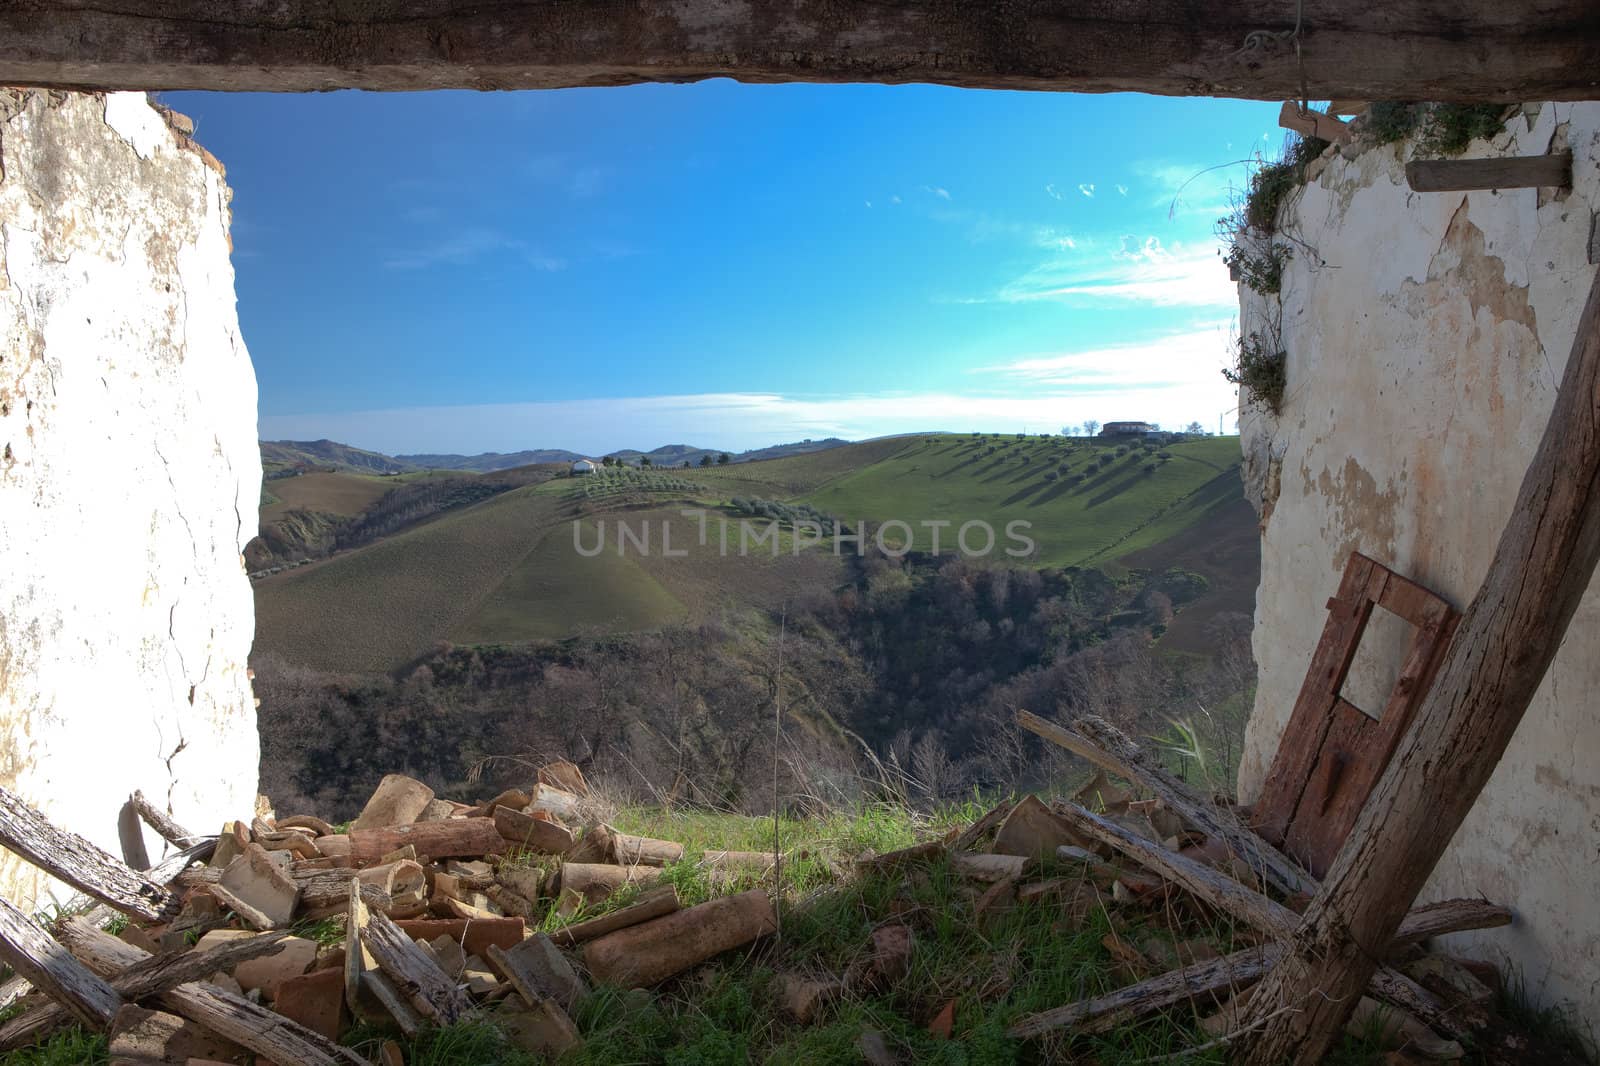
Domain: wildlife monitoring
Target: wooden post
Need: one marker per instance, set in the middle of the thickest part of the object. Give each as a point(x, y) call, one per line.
point(1541, 569)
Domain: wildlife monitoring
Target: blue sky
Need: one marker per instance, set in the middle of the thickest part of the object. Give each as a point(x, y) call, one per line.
point(727, 265)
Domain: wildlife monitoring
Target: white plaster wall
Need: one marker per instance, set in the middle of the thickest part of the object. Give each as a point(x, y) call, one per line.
point(129, 475)
point(1426, 334)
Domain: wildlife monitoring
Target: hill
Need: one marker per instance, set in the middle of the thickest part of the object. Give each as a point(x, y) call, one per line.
point(513, 567)
point(487, 462)
point(283, 455)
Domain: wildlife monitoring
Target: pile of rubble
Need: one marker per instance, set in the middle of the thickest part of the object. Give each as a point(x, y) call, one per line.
point(427, 911)
point(439, 903)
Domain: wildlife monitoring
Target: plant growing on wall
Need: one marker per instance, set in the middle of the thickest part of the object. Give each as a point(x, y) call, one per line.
point(1439, 129)
point(1262, 271)
point(1261, 366)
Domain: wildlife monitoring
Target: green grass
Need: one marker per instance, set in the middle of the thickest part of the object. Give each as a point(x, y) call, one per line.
point(67, 1047)
point(996, 968)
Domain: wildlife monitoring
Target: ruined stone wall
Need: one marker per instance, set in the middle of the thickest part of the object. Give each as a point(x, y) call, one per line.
point(1425, 336)
point(129, 474)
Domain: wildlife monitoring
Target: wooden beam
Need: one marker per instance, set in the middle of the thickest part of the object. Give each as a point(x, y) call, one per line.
point(1511, 172)
point(260, 1029)
point(428, 990)
point(149, 976)
point(1252, 908)
point(1448, 916)
point(1503, 647)
point(162, 822)
point(1473, 50)
point(1108, 748)
point(30, 951)
point(81, 864)
point(1211, 981)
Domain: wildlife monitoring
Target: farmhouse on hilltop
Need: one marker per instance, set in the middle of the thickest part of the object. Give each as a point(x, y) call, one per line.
point(584, 466)
point(1126, 429)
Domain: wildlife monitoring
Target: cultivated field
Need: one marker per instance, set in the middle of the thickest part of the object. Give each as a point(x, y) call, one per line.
point(506, 570)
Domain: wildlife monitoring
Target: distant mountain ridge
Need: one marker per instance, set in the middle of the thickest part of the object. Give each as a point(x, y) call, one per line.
point(286, 454)
point(324, 454)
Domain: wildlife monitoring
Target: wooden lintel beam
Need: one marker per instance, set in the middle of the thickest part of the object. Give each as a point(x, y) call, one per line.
point(1510, 172)
point(1465, 50)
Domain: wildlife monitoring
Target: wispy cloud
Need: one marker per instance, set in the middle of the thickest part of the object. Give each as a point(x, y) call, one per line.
point(1087, 189)
point(1184, 357)
point(1122, 190)
point(1191, 189)
point(470, 245)
point(1140, 271)
point(895, 199)
point(939, 191)
point(1053, 192)
point(1171, 380)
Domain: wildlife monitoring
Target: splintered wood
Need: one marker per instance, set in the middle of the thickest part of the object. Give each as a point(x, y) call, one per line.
point(1208, 984)
point(434, 897)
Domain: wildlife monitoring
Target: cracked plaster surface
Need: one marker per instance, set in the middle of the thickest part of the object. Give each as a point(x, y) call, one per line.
point(128, 428)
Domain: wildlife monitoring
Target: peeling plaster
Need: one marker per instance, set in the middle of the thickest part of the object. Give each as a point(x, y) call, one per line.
point(1424, 343)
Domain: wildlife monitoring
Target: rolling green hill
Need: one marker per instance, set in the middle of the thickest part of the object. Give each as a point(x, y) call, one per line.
point(507, 569)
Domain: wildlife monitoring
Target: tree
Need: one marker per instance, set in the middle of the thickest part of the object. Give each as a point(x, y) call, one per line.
point(724, 459)
point(644, 460)
point(1090, 427)
point(1070, 430)
point(705, 460)
point(1195, 428)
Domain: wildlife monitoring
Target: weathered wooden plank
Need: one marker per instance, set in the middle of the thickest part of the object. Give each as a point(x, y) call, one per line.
point(1542, 567)
point(1509, 172)
point(150, 975)
point(250, 1025)
point(1448, 916)
point(81, 864)
point(1105, 746)
point(1402, 50)
point(414, 975)
point(30, 951)
point(1252, 908)
point(364, 983)
point(1209, 983)
point(991, 820)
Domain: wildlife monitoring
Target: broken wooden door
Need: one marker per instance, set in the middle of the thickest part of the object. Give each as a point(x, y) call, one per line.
point(1332, 752)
